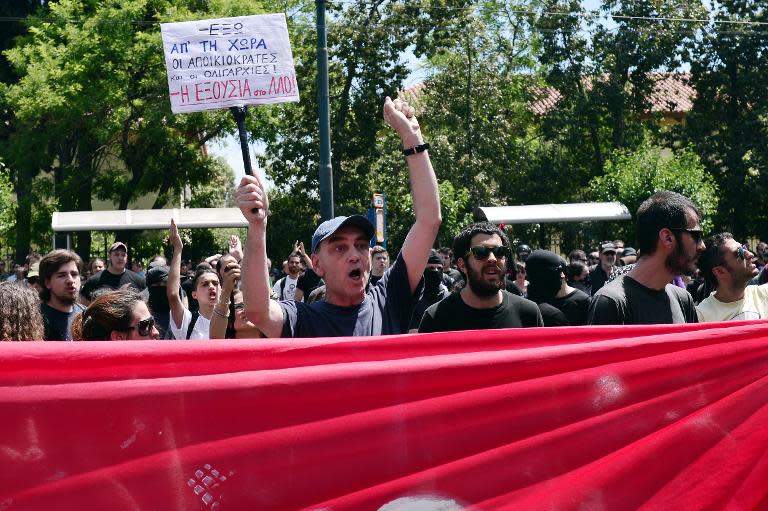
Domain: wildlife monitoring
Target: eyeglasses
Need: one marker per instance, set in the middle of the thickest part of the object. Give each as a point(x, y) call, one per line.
point(482, 252)
point(239, 306)
point(741, 252)
point(145, 326)
point(696, 234)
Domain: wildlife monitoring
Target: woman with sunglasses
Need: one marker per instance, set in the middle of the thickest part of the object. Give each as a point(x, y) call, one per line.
point(115, 316)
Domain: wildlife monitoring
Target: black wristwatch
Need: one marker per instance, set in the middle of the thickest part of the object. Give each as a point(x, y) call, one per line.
point(416, 149)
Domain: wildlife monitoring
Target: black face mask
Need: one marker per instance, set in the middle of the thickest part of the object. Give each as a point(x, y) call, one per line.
point(158, 300)
point(432, 280)
point(545, 287)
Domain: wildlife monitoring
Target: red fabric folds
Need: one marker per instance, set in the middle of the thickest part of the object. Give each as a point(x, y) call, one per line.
point(648, 417)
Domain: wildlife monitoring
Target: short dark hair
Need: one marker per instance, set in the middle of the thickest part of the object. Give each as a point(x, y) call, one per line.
point(51, 263)
point(577, 255)
point(447, 251)
point(661, 210)
point(461, 243)
point(712, 256)
point(574, 269)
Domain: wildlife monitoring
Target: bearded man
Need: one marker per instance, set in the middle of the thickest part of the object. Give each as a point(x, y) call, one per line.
point(670, 241)
point(60, 282)
point(482, 253)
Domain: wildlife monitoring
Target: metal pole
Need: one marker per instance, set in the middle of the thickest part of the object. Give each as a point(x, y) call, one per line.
point(323, 106)
point(239, 113)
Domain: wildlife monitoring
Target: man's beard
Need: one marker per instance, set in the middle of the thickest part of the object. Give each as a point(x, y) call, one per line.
point(67, 299)
point(481, 287)
point(678, 263)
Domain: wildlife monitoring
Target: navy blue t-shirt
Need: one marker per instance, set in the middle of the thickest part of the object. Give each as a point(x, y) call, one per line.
point(386, 310)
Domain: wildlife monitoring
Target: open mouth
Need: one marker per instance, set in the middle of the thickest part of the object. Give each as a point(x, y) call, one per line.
point(355, 274)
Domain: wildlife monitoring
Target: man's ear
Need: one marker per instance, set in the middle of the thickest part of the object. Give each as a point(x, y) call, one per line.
point(718, 271)
point(666, 237)
point(317, 267)
point(118, 336)
point(461, 265)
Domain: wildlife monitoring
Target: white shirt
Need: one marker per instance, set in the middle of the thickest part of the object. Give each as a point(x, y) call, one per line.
point(289, 292)
point(754, 305)
point(201, 329)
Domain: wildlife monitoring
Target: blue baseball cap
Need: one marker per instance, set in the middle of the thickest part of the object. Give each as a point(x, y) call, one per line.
point(328, 227)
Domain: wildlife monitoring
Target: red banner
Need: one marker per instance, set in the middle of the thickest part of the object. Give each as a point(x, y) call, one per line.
point(650, 417)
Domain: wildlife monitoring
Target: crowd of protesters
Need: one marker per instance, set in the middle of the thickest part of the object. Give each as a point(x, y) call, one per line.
point(343, 287)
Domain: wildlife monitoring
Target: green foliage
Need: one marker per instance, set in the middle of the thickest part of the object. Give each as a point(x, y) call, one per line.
point(92, 100)
point(7, 210)
point(634, 175)
point(729, 121)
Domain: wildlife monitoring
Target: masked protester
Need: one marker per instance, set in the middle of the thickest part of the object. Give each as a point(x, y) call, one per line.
point(157, 280)
point(434, 289)
point(560, 304)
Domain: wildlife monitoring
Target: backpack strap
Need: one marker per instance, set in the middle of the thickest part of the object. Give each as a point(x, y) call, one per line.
point(192, 322)
point(282, 288)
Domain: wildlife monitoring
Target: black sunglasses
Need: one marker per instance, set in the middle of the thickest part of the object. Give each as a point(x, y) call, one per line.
point(239, 306)
point(145, 326)
point(696, 234)
point(482, 252)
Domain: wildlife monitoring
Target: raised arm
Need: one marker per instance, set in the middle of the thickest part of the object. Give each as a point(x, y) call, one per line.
point(220, 317)
point(298, 247)
point(174, 277)
point(426, 199)
point(266, 314)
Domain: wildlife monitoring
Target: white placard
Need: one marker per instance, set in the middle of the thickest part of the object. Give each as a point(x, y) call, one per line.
point(227, 62)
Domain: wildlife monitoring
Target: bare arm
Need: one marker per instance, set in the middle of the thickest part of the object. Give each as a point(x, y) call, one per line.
point(219, 318)
point(266, 314)
point(299, 247)
point(174, 277)
point(426, 199)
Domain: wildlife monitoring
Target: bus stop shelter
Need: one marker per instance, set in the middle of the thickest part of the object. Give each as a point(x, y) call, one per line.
point(67, 222)
point(548, 213)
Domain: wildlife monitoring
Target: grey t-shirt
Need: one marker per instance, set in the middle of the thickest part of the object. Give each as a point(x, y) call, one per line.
point(627, 302)
point(386, 310)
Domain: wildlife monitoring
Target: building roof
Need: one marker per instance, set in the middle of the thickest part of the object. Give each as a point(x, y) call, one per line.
point(671, 94)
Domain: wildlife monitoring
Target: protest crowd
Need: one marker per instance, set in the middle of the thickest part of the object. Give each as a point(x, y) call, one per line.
point(343, 287)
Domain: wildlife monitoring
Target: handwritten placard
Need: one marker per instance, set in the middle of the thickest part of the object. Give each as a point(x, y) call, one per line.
point(227, 62)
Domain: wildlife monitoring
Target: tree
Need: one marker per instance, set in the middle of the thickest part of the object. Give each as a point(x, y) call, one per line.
point(634, 175)
point(92, 106)
point(603, 71)
point(727, 124)
point(365, 43)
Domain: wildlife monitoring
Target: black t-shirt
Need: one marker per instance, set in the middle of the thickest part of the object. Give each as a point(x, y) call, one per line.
point(308, 282)
point(552, 316)
point(107, 280)
point(575, 307)
point(426, 301)
point(58, 325)
point(627, 302)
point(453, 314)
point(598, 278)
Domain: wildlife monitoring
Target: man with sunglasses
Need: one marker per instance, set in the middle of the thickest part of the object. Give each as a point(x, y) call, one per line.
point(482, 254)
point(728, 267)
point(670, 241)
